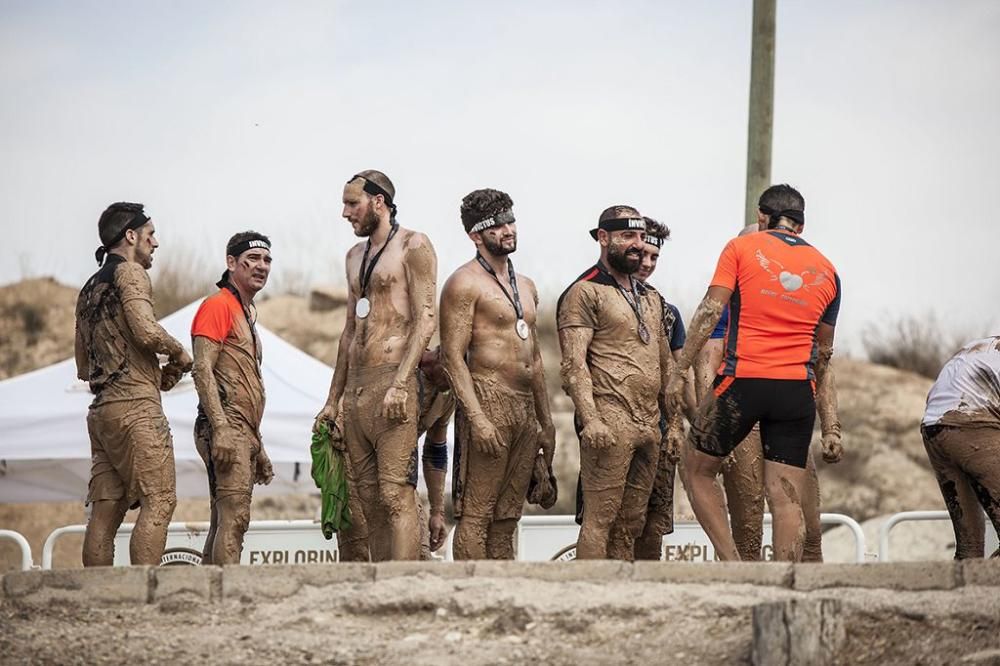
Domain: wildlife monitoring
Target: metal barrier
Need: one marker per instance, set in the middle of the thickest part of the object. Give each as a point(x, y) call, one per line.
point(906, 516)
point(265, 543)
point(554, 537)
point(18, 538)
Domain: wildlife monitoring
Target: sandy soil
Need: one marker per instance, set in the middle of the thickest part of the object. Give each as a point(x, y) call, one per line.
point(427, 620)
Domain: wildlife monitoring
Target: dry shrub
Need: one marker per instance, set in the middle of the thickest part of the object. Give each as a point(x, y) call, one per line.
point(918, 344)
point(178, 280)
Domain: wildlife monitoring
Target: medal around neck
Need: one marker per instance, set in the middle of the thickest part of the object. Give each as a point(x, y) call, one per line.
point(644, 333)
point(522, 329)
point(363, 307)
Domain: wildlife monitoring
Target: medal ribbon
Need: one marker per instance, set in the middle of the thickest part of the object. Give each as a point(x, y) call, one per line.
point(633, 300)
point(516, 299)
point(365, 274)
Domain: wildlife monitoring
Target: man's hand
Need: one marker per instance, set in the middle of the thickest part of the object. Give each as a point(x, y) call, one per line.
point(675, 391)
point(327, 415)
point(485, 437)
point(264, 472)
point(183, 361)
point(596, 435)
point(672, 442)
point(833, 450)
point(547, 442)
point(223, 447)
point(170, 374)
point(394, 405)
point(438, 530)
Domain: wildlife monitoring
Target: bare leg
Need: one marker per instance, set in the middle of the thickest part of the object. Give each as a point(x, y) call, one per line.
point(471, 536)
point(812, 549)
point(213, 527)
point(700, 470)
point(500, 539)
point(149, 537)
point(783, 484)
point(398, 499)
point(743, 477)
point(649, 545)
point(234, 519)
point(106, 517)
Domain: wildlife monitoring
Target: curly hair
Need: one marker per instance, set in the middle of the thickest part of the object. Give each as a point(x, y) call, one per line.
point(115, 218)
point(656, 229)
point(481, 204)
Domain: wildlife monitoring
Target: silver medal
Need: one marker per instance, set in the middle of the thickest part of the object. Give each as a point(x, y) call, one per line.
point(644, 333)
point(522, 329)
point(363, 307)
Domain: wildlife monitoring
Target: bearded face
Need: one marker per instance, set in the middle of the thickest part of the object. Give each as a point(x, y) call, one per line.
point(624, 255)
point(500, 240)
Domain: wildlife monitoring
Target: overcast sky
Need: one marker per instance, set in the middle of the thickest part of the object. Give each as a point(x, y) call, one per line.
point(223, 116)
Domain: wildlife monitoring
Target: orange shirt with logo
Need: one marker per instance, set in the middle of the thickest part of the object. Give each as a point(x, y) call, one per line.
point(782, 289)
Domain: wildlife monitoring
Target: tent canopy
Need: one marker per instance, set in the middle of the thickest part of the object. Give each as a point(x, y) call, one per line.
point(45, 449)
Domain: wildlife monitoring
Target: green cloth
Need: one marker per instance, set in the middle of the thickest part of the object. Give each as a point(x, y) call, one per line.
point(330, 475)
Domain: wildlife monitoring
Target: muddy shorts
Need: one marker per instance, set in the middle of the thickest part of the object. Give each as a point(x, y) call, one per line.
point(488, 487)
point(132, 452)
point(785, 409)
point(381, 452)
point(627, 467)
point(237, 478)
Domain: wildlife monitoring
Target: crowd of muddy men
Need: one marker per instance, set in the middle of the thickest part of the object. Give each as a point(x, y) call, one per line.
point(735, 394)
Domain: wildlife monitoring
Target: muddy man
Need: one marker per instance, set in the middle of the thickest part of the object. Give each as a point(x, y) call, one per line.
point(227, 375)
point(615, 360)
point(961, 431)
point(117, 342)
point(494, 364)
point(391, 316)
point(784, 297)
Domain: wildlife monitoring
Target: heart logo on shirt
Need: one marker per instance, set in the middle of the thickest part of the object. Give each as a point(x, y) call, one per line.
point(790, 281)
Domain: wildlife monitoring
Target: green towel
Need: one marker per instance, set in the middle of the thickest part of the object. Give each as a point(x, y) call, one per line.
point(330, 475)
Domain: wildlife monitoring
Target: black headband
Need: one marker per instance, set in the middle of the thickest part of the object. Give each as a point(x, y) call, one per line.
point(798, 216)
point(372, 188)
point(237, 249)
point(655, 241)
point(138, 219)
point(505, 216)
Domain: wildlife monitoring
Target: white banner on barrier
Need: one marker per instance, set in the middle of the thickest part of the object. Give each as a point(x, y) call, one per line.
point(545, 540)
point(266, 542)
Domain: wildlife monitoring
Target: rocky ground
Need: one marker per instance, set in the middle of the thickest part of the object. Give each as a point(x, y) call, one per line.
point(422, 618)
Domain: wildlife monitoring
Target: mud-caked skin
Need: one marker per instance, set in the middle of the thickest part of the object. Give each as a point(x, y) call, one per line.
point(117, 342)
point(961, 433)
point(383, 338)
point(784, 298)
point(613, 368)
point(489, 342)
point(227, 374)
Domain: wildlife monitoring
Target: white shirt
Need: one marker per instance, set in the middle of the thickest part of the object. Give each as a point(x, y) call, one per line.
point(969, 383)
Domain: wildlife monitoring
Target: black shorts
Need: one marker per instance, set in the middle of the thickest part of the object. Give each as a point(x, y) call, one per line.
point(785, 409)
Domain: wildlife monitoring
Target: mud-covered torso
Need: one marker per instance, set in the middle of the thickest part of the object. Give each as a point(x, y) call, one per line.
point(237, 370)
point(119, 369)
point(381, 338)
point(495, 348)
point(434, 403)
point(625, 371)
point(967, 390)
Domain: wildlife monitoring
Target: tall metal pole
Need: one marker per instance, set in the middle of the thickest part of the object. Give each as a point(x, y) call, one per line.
point(761, 105)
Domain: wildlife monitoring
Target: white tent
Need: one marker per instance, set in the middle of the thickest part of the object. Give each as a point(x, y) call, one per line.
point(45, 450)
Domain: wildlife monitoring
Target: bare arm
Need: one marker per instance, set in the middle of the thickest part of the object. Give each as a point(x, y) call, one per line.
point(206, 355)
point(436, 465)
point(702, 324)
point(421, 283)
point(543, 411)
point(826, 395)
point(330, 410)
point(458, 306)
